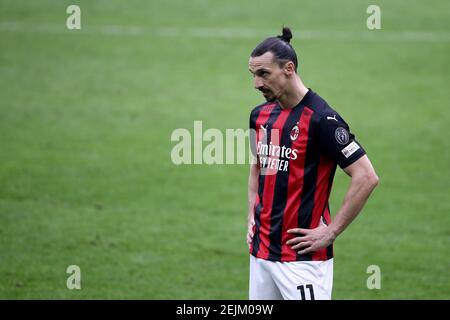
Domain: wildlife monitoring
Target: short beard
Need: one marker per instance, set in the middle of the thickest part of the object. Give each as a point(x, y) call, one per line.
point(271, 99)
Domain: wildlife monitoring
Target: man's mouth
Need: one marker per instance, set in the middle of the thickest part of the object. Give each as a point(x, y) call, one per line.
point(267, 95)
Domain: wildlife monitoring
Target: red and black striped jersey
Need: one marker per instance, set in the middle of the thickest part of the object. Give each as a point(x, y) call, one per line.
point(297, 150)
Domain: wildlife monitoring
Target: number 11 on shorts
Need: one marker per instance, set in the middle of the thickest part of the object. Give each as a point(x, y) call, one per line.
point(302, 291)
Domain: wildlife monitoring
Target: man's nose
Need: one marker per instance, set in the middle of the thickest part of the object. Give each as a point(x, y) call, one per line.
point(258, 83)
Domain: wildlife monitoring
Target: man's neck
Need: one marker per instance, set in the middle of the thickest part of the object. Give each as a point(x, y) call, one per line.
point(293, 95)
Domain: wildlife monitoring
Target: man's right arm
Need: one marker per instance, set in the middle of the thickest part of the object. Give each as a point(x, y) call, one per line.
point(252, 193)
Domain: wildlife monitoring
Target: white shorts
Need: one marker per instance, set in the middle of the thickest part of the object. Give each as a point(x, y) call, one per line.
point(297, 280)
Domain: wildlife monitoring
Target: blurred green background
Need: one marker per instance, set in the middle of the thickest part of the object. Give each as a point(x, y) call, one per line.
point(86, 117)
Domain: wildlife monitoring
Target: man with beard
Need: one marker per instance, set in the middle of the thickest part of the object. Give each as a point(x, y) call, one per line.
point(290, 232)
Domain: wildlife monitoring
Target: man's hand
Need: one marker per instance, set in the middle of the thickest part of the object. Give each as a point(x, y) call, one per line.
point(313, 239)
point(364, 180)
point(252, 194)
point(251, 223)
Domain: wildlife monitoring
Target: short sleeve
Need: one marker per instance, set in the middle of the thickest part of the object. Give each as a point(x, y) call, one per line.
point(251, 122)
point(252, 135)
point(336, 140)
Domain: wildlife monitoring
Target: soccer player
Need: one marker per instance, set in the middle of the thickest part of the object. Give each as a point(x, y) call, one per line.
point(298, 142)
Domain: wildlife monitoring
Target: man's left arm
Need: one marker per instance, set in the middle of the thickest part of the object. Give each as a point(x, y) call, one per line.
point(363, 181)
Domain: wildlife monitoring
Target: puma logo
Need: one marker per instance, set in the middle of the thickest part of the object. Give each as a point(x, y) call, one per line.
point(332, 118)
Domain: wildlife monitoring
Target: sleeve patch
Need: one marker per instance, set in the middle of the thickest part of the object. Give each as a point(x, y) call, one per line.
point(350, 149)
point(341, 135)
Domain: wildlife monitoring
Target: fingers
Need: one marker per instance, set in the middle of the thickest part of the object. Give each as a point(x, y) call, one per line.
point(301, 245)
point(296, 240)
point(307, 250)
point(299, 230)
point(250, 232)
point(299, 242)
point(249, 238)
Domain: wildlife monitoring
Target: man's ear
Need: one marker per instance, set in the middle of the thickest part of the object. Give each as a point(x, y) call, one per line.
point(289, 68)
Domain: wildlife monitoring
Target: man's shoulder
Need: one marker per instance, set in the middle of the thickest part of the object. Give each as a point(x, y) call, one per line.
point(319, 106)
point(324, 116)
point(266, 106)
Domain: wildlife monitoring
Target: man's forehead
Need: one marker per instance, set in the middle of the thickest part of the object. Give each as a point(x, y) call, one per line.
point(265, 60)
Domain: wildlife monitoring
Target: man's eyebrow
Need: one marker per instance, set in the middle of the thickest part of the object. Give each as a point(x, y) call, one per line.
point(258, 70)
